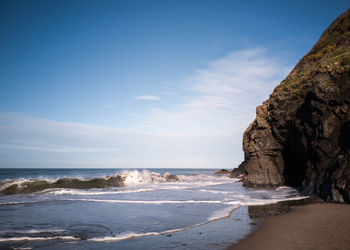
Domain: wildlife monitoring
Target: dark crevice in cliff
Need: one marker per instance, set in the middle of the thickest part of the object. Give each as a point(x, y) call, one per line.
point(293, 154)
point(344, 138)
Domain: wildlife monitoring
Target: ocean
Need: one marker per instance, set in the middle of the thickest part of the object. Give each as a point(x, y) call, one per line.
point(127, 208)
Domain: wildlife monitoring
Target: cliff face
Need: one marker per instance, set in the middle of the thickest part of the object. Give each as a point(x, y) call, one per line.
point(301, 134)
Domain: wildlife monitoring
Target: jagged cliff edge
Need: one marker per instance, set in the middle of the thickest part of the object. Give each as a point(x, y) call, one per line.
point(301, 134)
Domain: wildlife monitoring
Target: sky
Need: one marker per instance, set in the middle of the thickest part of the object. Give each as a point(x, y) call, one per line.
point(143, 84)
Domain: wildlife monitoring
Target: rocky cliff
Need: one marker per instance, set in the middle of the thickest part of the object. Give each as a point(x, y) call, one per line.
point(301, 134)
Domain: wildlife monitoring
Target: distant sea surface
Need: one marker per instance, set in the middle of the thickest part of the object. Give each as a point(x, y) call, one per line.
point(153, 209)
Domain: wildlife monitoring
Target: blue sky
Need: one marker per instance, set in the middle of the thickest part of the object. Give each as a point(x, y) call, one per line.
point(143, 83)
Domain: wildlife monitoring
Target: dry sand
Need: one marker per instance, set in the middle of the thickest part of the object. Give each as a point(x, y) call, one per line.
point(314, 226)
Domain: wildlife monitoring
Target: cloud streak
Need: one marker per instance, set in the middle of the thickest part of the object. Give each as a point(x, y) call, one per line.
point(110, 106)
point(223, 94)
point(32, 142)
point(147, 97)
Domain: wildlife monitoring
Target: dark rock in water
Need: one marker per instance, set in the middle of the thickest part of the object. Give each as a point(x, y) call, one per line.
point(171, 177)
point(238, 172)
point(301, 134)
point(30, 186)
point(222, 171)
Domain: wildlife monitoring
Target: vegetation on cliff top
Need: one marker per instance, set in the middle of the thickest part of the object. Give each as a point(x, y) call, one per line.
point(331, 54)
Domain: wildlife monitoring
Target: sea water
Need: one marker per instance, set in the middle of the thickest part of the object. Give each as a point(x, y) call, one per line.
point(194, 210)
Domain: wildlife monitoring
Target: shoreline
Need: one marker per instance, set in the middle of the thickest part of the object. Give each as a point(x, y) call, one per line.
point(312, 224)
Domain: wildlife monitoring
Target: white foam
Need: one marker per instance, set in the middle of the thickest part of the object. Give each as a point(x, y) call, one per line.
point(38, 238)
point(284, 188)
point(21, 181)
point(150, 202)
point(218, 192)
point(153, 187)
point(224, 213)
point(151, 180)
point(204, 177)
point(58, 191)
point(17, 202)
point(136, 177)
point(124, 236)
point(34, 231)
point(244, 201)
point(260, 202)
point(18, 182)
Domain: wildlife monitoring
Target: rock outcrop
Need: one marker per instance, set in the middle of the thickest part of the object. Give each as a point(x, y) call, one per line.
point(301, 134)
point(223, 172)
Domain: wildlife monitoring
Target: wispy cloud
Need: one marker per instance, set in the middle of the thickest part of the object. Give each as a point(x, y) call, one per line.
point(243, 74)
point(110, 106)
point(28, 141)
point(147, 97)
point(224, 94)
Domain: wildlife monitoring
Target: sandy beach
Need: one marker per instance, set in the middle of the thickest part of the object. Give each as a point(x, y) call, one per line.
point(312, 226)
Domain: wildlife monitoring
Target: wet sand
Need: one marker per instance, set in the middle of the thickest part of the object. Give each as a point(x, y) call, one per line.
point(312, 226)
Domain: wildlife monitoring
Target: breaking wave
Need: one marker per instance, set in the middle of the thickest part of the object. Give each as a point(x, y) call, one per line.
point(25, 186)
point(129, 178)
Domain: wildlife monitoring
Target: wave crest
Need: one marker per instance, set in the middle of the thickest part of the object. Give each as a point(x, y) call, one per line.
point(136, 177)
point(24, 186)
